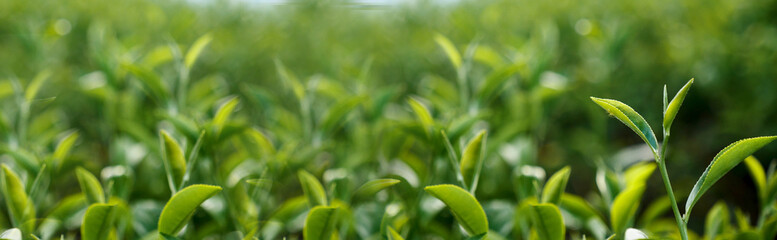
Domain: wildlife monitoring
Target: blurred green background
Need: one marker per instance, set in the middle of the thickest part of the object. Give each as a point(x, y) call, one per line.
point(328, 82)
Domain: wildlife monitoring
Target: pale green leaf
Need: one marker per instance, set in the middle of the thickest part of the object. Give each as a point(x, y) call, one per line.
point(196, 49)
point(289, 78)
point(374, 186)
point(759, 177)
point(393, 234)
point(35, 85)
point(723, 162)
point(90, 186)
point(671, 110)
point(320, 223)
point(152, 83)
point(548, 221)
point(261, 141)
point(472, 160)
point(11, 234)
point(624, 208)
point(98, 221)
point(639, 173)
point(555, 186)
point(180, 208)
point(64, 146)
point(463, 205)
point(630, 118)
point(717, 221)
point(20, 207)
point(422, 113)
point(449, 49)
point(174, 160)
point(223, 113)
point(312, 188)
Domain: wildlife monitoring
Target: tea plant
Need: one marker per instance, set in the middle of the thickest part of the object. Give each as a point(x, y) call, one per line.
point(723, 162)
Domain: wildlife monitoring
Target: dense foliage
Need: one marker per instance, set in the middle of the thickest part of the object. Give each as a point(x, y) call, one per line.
point(136, 119)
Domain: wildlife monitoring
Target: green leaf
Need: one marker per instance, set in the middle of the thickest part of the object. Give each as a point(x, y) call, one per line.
point(98, 221)
point(671, 110)
point(759, 177)
point(625, 207)
point(393, 234)
point(422, 113)
point(20, 207)
point(374, 186)
point(223, 113)
point(180, 208)
point(717, 220)
point(548, 221)
point(90, 186)
point(35, 85)
point(463, 205)
point(261, 141)
point(472, 161)
point(555, 186)
point(196, 49)
point(174, 160)
point(639, 173)
point(494, 82)
point(312, 188)
point(63, 147)
point(12, 234)
point(726, 159)
point(289, 78)
point(449, 49)
point(152, 83)
point(334, 117)
point(630, 118)
point(320, 223)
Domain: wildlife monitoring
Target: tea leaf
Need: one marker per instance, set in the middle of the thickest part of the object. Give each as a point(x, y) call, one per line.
point(223, 113)
point(422, 113)
point(634, 234)
point(196, 49)
point(374, 186)
point(63, 147)
point(639, 174)
point(717, 220)
point(35, 85)
point(393, 234)
point(98, 221)
point(20, 207)
point(671, 110)
point(320, 223)
point(152, 83)
point(723, 162)
point(312, 188)
point(90, 186)
point(759, 177)
point(555, 186)
point(625, 207)
point(472, 161)
point(463, 205)
point(630, 118)
point(449, 49)
point(548, 221)
point(180, 208)
point(174, 160)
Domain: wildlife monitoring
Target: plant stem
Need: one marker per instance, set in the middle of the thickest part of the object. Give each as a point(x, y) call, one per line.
point(665, 176)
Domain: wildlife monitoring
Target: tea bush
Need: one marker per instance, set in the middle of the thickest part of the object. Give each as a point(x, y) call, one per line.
point(135, 119)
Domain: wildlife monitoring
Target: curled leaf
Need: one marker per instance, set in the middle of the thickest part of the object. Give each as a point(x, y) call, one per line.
point(555, 186)
point(174, 160)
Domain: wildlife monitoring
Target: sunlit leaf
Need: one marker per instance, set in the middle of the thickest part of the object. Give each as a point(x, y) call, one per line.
point(463, 205)
point(422, 113)
point(717, 220)
point(64, 146)
point(759, 177)
point(630, 118)
point(450, 50)
point(196, 49)
point(635, 234)
point(624, 208)
point(180, 208)
point(671, 110)
point(723, 162)
point(472, 160)
point(393, 234)
point(90, 186)
point(98, 221)
point(639, 174)
point(548, 221)
point(312, 189)
point(223, 113)
point(320, 223)
point(35, 85)
point(20, 207)
point(374, 186)
point(11, 234)
point(555, 186)
point(174, 160)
